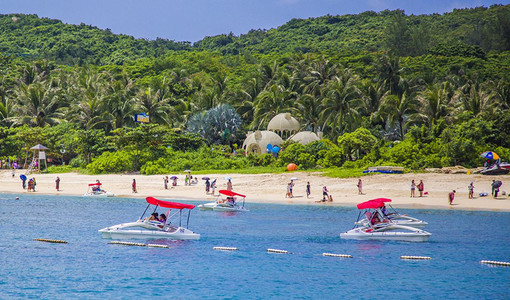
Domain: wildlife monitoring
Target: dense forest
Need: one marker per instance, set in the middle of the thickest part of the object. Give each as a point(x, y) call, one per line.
point(384, 88)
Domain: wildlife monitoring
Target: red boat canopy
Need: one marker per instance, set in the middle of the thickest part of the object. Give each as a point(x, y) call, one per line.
point(93, 184)
point(230, 193)
point(370, 204)
point(381, 199)
point(168, 204)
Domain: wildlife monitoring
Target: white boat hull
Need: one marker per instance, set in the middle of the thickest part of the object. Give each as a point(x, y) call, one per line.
point(388, 232)
point(221, 207)
point(107, 194)
point(143, 230)
point(207, 206)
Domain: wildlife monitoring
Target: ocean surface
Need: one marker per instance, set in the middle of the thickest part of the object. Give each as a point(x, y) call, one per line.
point(90, 268)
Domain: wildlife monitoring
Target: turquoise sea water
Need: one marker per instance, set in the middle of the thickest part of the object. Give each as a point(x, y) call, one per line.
point(90, 268)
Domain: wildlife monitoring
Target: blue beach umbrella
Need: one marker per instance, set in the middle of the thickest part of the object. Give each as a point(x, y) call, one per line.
point(22, 177)
point(490, 155)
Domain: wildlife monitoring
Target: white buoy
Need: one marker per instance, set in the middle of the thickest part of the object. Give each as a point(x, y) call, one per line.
point(498, 263)
point(337, 255)
point(157, 246)
point(126, 243)
point(278, 251)
point(226, 248)
point(51, 241)
point(414, 257)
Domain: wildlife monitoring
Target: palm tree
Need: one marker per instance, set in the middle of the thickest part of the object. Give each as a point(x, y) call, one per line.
point(272, 101)
point(435, 102)
point(372, 97)
point(120, 101)
point(400, 110)
point(338, 103)
point(38, 104)
point(89, 108)
point(475, 98)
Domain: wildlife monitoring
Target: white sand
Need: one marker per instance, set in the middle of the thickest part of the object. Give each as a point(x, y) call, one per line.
point(271, 188)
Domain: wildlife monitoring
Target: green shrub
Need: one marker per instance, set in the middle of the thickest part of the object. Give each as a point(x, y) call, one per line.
point(112, 162)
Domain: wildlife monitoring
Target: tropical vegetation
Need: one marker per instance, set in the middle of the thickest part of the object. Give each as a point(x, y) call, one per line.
point(383, 88)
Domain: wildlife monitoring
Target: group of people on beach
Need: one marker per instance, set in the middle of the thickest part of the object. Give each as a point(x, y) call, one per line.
point(420, 187)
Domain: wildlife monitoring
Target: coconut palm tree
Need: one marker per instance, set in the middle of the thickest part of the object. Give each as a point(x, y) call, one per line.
point(272, 101)
point(475, 98)
point(435, 102)
point(399, 110)
point(38, 104)
point(338, 103)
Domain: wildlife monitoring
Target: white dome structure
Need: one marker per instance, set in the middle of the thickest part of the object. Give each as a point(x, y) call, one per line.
point(283, 123)
point(304, 137)
point(257, 141)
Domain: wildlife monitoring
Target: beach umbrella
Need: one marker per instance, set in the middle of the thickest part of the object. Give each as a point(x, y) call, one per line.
point(490, 155)
point(22, 177)
point(187, 171)
point(294, 178)
point(228, 178)
point(173, 177)
point(206, 178)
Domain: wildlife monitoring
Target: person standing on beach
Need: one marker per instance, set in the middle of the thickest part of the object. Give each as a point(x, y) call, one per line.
point(413, 187)
point(229, 185)
point(287, 195)
point(325, 195)
point(24, 179)
point(133, 186)
point(360, 187)
point(57, 183)
point(165, 182)
point(471, 188)
point(207, 186)
point(451, 196)
point(291, 184)
point(308, 189)
point(420, 188)
point(213, 186)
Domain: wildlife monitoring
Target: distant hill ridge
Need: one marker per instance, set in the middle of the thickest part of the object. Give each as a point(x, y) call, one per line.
point(463, 32)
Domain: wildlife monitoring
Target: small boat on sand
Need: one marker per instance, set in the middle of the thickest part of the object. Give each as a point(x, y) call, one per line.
point(226, 201)
point(380, 227)
point(95, 190)
point(155, 229)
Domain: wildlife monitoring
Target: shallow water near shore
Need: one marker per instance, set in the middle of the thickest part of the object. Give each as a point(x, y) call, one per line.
point(89, 267)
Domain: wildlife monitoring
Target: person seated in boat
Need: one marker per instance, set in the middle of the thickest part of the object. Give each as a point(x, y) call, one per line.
point(162, 219)
point(375, 220)
point(153, 217)
point(231, 201)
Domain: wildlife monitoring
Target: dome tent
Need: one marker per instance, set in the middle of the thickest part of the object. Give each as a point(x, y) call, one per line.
point(257, 141)
point(284, 124)
point(304, 137)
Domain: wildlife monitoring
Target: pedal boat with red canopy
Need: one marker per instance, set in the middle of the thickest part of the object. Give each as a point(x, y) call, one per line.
point(151, 229)
point(226, 201)
point(95, 190)
point(380, 226)
point(394, 216)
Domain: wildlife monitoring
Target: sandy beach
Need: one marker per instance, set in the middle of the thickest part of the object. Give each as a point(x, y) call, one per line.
point(271, 188)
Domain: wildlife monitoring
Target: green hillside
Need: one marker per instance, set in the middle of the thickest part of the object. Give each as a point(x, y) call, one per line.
point(482, 28)
point(34, 37)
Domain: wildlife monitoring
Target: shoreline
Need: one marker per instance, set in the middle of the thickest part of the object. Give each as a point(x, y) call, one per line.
point(271, 188)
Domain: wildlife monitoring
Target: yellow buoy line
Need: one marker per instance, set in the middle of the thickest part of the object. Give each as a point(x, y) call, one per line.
point(278, 251)
point(497, 263)
point(51, 241)
point(226, 248)
point(337, 255)
point(414, 257)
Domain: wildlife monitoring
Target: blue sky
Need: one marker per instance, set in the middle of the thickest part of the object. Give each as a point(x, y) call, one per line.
point(192, 20)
